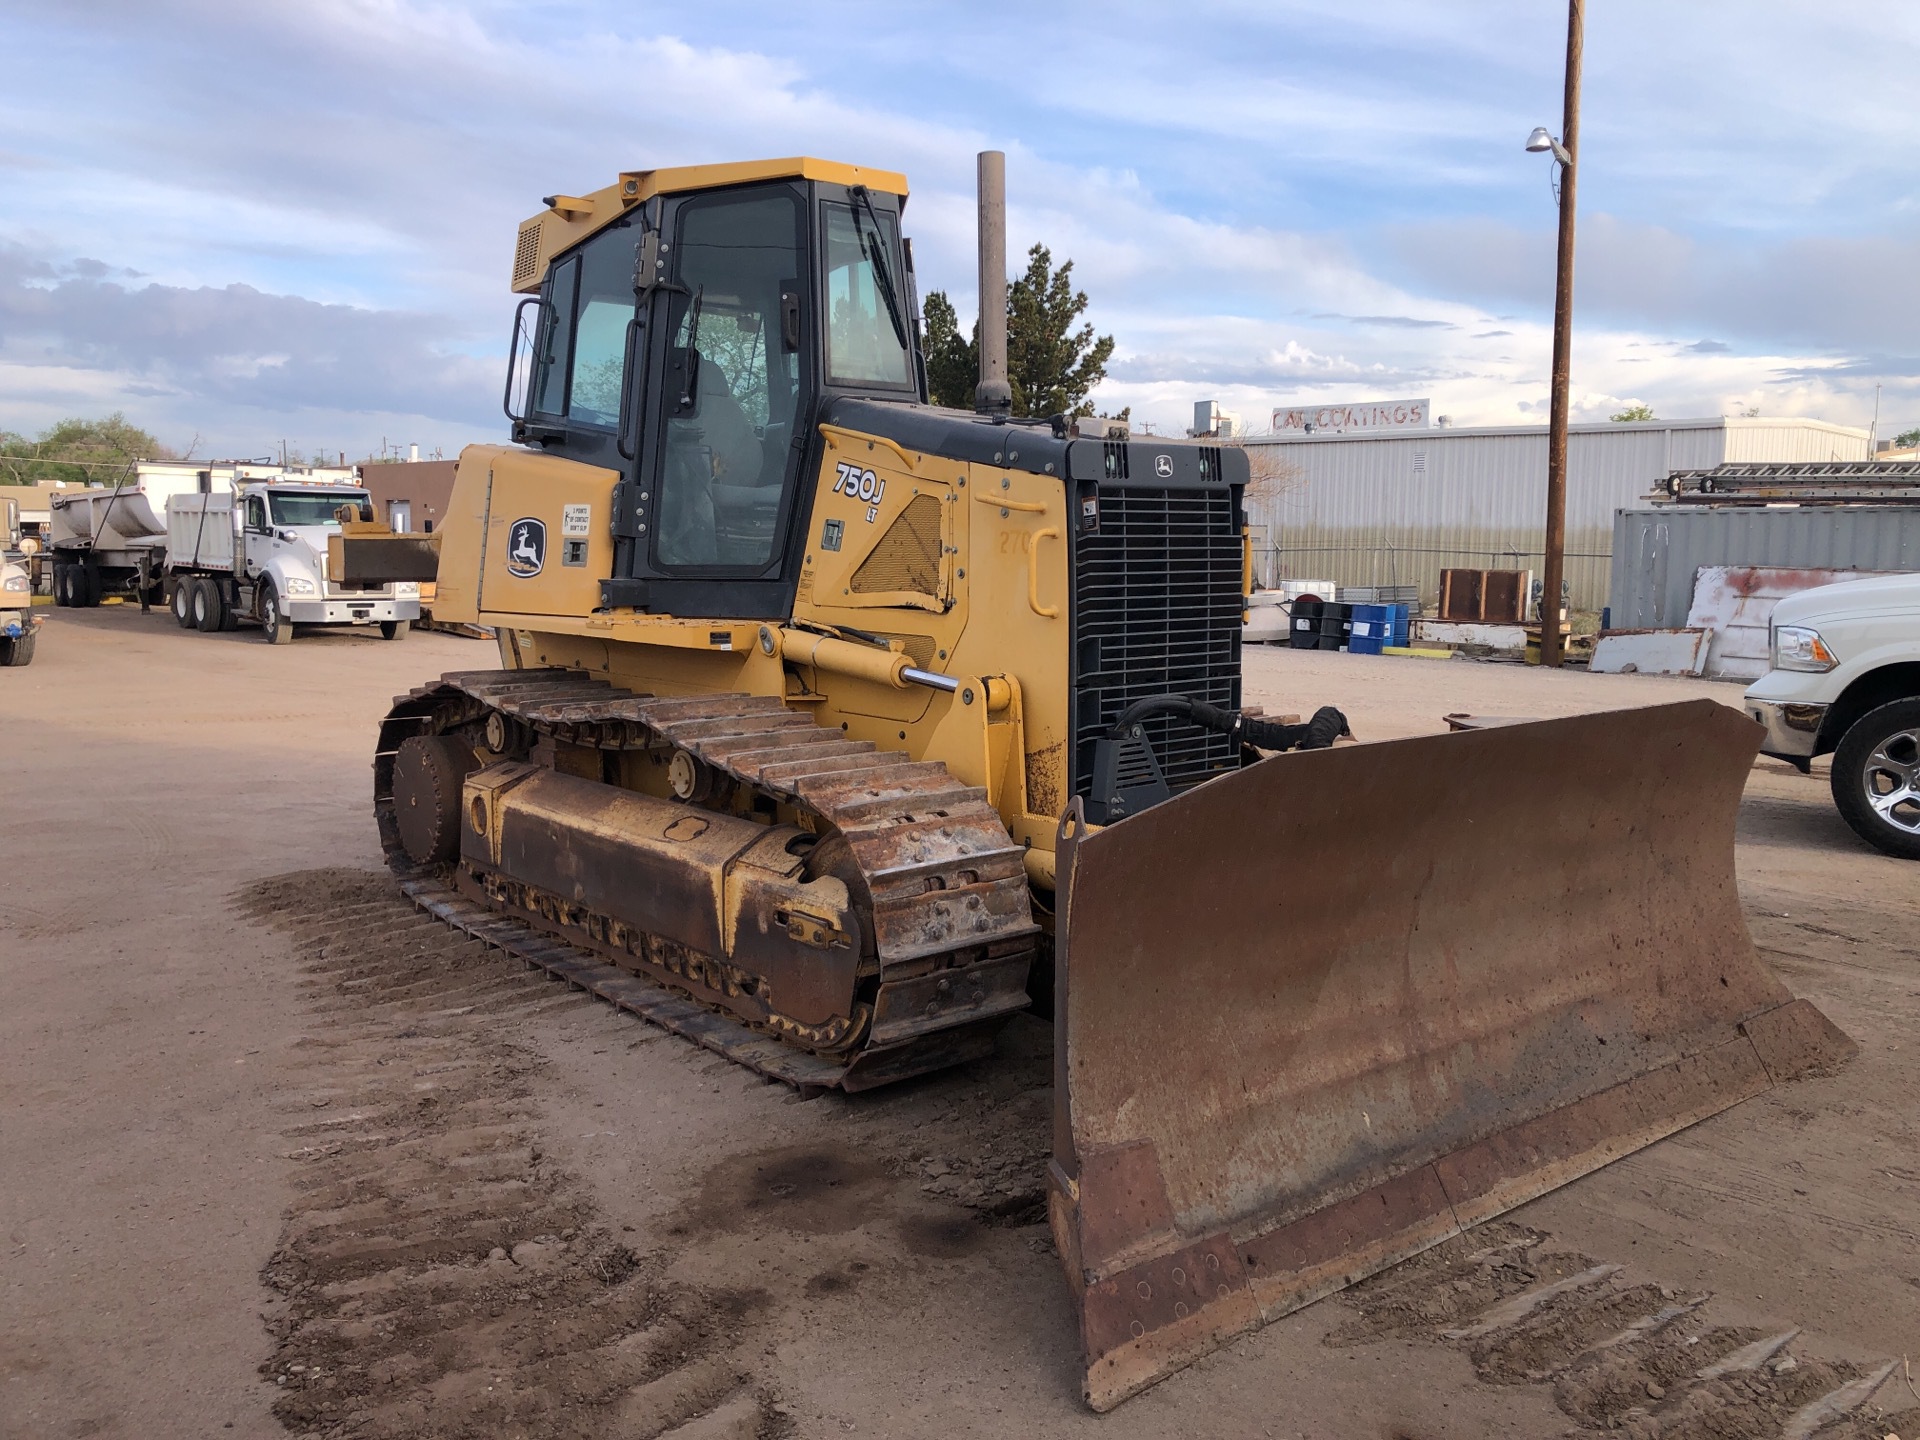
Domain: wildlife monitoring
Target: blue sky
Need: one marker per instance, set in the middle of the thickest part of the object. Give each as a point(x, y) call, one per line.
point(255, 222)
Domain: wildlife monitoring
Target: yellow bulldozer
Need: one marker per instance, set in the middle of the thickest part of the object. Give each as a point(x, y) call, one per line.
point(831, 729)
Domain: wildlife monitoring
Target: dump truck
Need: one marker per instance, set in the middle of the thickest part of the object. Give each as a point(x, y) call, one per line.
point(258, 553)
point(111, 540)
point(832, 729)
point(19, 626)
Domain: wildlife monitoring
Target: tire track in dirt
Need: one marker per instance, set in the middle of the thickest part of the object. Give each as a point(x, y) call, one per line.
point(437, 1275)
point(1624, 1355)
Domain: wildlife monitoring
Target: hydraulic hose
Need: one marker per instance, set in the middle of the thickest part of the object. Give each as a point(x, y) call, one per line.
point(1326, 726)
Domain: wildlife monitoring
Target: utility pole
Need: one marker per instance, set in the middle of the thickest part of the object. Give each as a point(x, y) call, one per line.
point(1566, 154)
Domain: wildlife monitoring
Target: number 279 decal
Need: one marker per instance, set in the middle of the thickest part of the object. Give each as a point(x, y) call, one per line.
point(862, 485)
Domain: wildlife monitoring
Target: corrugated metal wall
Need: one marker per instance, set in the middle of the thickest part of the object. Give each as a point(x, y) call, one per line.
point(1659, 550)
point(1397, 509)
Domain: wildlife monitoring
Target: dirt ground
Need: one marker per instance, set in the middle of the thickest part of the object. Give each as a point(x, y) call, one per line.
point(280, 1154)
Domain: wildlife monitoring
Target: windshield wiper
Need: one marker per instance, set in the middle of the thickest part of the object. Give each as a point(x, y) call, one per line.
point(876, 256)
point(690, 381)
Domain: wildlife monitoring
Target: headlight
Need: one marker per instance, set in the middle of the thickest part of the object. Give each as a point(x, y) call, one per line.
point(406, 590)
point(14, 582)
point(1797, 648)
point(298, 585)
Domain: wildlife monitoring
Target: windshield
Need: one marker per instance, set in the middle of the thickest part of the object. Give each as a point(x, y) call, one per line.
point(865, 345)
point(310, 508)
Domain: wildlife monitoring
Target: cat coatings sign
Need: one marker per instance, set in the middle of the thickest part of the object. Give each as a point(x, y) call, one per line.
point(1368, 415)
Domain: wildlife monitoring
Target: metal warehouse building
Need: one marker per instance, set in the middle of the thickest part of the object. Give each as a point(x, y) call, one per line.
point(1396, 507)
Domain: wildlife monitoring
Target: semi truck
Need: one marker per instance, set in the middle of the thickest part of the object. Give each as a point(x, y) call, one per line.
point(221, 542)
point(259, 553)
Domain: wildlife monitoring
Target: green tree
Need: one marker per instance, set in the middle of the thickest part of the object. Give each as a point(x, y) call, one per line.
point(1634, 412)
point(1906, 438)
point(1052, 364)
point(953, 362)
point(77, 451)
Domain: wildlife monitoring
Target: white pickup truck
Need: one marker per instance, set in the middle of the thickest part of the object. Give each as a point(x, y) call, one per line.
point(1845, 681)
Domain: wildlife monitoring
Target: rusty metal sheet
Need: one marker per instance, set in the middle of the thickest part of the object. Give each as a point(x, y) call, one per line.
point(1318, 1015)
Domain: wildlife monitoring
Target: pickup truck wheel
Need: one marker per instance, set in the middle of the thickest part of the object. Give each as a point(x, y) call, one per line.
point(278, 630)
point(19, 650)
point(1876, 778)
point(393, 629)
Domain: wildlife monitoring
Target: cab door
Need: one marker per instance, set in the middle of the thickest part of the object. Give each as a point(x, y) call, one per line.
point(256, 536)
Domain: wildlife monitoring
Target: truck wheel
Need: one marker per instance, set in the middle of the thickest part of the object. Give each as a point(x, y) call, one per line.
point(393, 629)
point(18, 651)
point(1876, 778)
point(182, 605)
point(229, 611)
point(62, 584)
point(89, 586)
point(207, 605)
point(278, 630)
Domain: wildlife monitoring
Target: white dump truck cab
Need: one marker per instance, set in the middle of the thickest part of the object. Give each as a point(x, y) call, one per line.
point(1845, 681)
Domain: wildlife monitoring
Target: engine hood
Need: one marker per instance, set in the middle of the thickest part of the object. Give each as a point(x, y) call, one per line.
point(1878, 595)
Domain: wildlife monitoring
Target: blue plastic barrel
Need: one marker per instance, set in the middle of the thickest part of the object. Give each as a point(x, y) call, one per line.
point(1371, 626)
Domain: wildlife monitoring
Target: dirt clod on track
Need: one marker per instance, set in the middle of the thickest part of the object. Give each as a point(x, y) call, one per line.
point(438, 1275)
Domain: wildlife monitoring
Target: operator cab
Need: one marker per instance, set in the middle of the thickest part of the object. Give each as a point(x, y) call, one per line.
point(691, 340)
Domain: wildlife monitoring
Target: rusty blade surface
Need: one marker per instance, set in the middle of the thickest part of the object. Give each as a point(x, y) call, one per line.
point(1319, 1015)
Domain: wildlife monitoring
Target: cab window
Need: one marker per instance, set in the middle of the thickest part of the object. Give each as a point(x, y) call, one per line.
point(580, 362)
point(732, 381)
point(867, 321)
point(256, 513)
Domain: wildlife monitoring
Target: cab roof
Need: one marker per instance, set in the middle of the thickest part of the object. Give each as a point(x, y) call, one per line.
point(569, 219)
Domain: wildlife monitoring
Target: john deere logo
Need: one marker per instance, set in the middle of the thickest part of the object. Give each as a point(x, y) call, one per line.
point(1163, 466)
point(526, 547)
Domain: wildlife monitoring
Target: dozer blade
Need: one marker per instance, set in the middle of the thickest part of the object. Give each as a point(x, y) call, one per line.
point(1323, 1013)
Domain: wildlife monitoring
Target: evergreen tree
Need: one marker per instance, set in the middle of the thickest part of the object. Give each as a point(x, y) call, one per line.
point(953, 363)
point(1051, 365)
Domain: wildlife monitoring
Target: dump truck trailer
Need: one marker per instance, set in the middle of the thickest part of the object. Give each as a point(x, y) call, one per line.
point(830, 729)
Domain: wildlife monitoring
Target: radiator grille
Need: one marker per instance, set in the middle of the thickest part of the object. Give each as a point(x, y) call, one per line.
point(1157, 612)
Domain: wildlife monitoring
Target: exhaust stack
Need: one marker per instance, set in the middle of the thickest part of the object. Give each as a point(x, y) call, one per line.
point(993, 396)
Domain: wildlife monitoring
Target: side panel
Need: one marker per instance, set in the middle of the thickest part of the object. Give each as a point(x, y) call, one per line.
point(547, 538)
point(201, 530)
point(462, 532)
point(976, 588)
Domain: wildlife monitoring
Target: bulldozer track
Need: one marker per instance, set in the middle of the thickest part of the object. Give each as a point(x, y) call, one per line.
point(948, 884)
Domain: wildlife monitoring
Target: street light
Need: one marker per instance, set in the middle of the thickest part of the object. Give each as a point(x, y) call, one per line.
point(1539, 142)
point(1563, 150)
